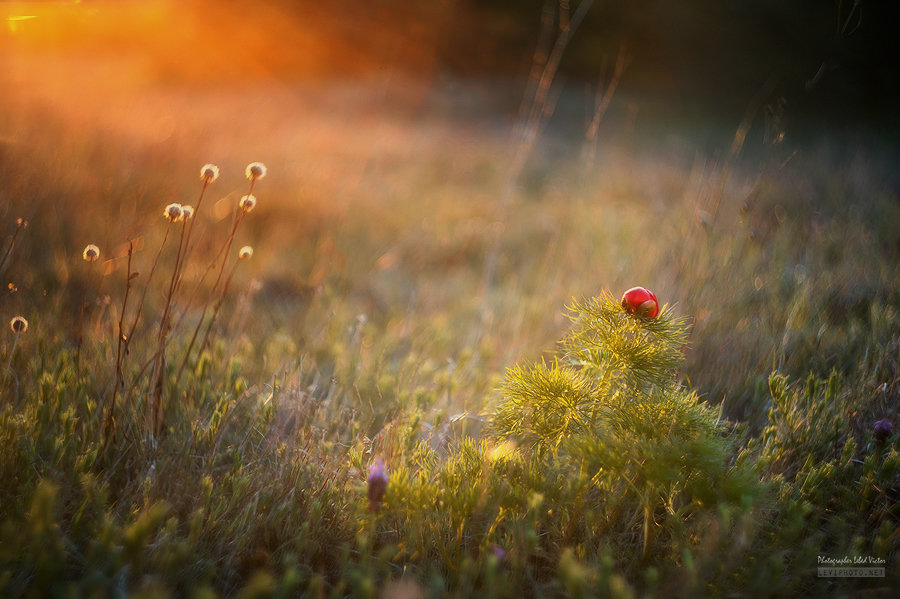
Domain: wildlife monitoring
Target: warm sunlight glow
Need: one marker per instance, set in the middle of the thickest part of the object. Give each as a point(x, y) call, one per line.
point(14, 21)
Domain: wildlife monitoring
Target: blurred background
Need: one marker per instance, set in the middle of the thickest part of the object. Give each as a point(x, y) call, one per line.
point(831, 65)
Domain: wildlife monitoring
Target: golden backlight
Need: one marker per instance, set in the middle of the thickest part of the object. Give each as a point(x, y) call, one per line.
point(206, 41)
point(80, 57)
point(216, 78)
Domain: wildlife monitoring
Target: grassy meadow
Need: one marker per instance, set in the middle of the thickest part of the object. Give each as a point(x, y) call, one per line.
point(185, 417)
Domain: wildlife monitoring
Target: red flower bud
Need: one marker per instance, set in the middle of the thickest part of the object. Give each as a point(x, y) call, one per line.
point(641, 302)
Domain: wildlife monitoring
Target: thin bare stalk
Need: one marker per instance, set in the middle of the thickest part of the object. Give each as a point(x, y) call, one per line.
point(199, 284)
point(140, 307)
point(601, 105)
point(254, 171)
point(541, 108)
point(225, 249)
point(218, 305)
point(179, 266)
point(79, 325)
point(171, 293)
point(222, 250)
point(12, 352)
point(158, 374)
point(21, 223)
point(120, 376)
point(137, 317)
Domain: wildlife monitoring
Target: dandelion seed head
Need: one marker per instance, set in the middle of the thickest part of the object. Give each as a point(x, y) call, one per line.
point(245, 252)
point(247, 203)
point(173, 212)
point(256, 170)
point(18, 325)
point(209, 172)
point(91, 252)
point(187, 212)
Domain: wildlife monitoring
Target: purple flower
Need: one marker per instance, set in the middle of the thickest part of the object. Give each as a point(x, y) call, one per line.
point(883, 430)
point(378, 483)
point(498, 552)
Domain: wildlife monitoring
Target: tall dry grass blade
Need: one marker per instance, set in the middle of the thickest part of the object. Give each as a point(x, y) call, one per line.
point(217, 307)
point(542, 105)
point(238, 215)
point(158, 374)
point(21, 224)
point(79, 324)
point(108, 423)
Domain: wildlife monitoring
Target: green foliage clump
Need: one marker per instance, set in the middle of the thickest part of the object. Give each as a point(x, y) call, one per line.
point(612, 411)
point(599, 475)
point(837, 488)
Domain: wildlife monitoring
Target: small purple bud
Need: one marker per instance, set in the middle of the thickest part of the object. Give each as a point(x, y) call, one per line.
point(378, 483)
point(883, 430)
point(498, 552)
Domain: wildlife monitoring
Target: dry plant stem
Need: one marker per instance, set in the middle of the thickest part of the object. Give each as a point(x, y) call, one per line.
point(157, 376)
point(737, 144)
point(541, 108)
point(152, 360)
point(120, 377)
point(20, 224)
point(79, 325)
point(601, 105)
point(179, 267)
point(188, 249)
point(209, 268)
point(542, 103)
point(12, 352)
point(127, 341)
point(225, 250)
point(198, 285)
point(170, 294)
point(140, 307)
point(218, 305)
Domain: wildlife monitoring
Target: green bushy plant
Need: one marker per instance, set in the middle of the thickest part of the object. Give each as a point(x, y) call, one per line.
point(599, 472)
point(837, 485)
point(613, 410)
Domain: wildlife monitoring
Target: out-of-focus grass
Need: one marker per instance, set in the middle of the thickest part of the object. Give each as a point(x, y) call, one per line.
point(365, 326)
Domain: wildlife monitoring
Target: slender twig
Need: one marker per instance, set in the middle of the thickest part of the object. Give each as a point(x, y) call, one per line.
point(140, 307)
point(541, 108)
point(601, 105)
point(164, 321)
point(254, 171)
point(79, 325)
point(179, 267)
point(218, 305)
point(137, 316)
point(21, 223)
point(120, 376)
point(238, 216)
point(9, 362)
point(158, 374)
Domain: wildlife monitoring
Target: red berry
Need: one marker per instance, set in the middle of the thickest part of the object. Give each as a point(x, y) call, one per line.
point(641, 302)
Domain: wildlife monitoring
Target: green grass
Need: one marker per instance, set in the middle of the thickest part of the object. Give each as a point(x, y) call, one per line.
point(364, 327)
